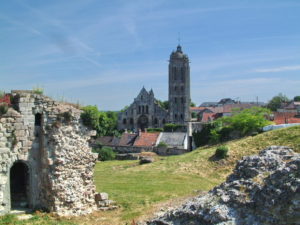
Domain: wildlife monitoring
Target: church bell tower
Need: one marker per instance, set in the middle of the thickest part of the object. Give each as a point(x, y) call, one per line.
point(179, 87)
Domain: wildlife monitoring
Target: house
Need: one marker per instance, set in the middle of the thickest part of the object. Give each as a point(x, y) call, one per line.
point(173, 140)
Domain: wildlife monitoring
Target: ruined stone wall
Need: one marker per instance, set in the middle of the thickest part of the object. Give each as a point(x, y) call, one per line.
point(59, 159)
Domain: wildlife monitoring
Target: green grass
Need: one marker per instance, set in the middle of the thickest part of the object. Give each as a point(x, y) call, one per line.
point(141, 189)
point(37, 219)
point(137, 188)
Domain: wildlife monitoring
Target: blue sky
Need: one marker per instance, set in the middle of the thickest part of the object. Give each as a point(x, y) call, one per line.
point(103, 52)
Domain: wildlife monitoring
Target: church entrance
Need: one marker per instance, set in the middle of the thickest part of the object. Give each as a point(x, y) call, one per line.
point(143, 122)
point(19, 185)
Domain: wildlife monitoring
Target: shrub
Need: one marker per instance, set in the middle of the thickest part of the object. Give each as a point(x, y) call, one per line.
point(171, 127)
point(152, 130)
point(162, 145)
point(3, 108)
point(38, 90)
point(221, 152)
point(105, 153)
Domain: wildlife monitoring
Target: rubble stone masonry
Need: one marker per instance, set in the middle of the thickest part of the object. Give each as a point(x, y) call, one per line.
point(47, 139)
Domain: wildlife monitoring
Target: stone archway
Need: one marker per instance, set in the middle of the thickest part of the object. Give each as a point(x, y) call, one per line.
point(19, 185)
point(143, 122)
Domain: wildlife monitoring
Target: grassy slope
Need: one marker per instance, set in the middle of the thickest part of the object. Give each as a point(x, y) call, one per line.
point(137, 188)
point(140, 189)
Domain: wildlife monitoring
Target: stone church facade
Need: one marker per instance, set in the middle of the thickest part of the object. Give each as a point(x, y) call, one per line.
point(145, 112)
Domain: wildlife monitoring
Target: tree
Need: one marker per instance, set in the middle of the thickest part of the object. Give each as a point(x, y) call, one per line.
point(297, 98)
point(105, 123)
point(242, 123)
point(277, 101)
point(193, 104)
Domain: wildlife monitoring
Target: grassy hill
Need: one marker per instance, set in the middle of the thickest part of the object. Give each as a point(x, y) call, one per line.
point(141, 190)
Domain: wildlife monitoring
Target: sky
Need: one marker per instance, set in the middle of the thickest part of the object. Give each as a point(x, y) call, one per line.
point(100, 52)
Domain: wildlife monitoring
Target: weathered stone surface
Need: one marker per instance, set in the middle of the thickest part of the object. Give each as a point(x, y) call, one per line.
point(146, 159)
point(263, 189)
point(49, 138)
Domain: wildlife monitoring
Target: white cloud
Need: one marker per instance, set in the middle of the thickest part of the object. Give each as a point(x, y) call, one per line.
point(277, 69)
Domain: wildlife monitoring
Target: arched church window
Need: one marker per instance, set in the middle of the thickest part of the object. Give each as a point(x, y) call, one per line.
point(182, 100)
point(143, 109)
point(155, 121)
point(175, 88)
point(175, 100)
point(131, 121)
point(139, 109)
point(141, 97)
point(164, 121)
point(147, 109)
point(124, 121)
point(181, 116)
point(182, 88)
point(175, 116)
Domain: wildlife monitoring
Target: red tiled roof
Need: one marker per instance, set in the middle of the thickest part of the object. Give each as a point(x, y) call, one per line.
point(146, 139)
point(206, 117)
point(5, 99)
point(127, 139)
point(286, 117)
point(197, 109)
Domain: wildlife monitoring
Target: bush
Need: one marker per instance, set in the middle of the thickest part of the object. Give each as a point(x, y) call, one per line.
point(105, 153)
point(153, 130)
point(221, 152)
point(162, 145)
point(38, 90)
point(171, 127)
point(3, 108)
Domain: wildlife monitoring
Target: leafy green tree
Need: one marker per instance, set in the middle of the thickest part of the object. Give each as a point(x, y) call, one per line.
point(243, 122)
point(297, 98)
point(105, 153)
point(105, 123)
point(276, 102)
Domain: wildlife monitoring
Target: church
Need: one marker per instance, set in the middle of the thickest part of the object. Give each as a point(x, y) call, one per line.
point(145, 111)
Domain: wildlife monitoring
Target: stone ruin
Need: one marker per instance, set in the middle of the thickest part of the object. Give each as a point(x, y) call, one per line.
point(45, 158)
point(263, 189)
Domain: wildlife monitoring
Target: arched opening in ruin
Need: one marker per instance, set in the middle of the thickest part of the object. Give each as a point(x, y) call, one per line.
point(38, 119)
point(19, 185)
